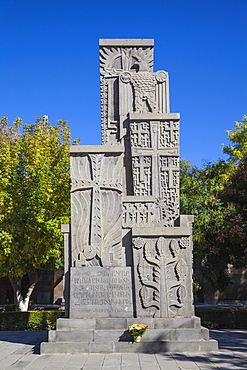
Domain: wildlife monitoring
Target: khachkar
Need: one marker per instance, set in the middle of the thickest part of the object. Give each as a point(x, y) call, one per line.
point(128, 252)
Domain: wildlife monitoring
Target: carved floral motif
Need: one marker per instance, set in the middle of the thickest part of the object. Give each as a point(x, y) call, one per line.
point(161, 262)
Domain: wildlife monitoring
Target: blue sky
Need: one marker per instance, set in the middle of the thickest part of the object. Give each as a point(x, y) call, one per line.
point(49, 62)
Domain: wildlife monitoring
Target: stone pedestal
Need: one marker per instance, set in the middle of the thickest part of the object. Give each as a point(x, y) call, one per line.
point(128, 251)
point(108, 336)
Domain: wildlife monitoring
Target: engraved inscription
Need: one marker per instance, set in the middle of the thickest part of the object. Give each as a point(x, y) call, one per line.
point(98, 291)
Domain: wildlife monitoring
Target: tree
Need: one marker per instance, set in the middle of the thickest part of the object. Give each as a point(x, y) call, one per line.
point(238, 137)
point(34, 200)
point(217, 195)
point(233, 234)
point(200, 190)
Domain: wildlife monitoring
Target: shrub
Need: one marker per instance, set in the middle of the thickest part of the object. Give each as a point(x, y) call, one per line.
point(222, 318)
point(30, 320)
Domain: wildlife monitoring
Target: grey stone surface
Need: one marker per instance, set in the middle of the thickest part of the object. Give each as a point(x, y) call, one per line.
point(75, 324)
point(74, 336)
point(178, 322)
point(126, 42)
point(101, 291)
point(118, 323)
point(122, 323)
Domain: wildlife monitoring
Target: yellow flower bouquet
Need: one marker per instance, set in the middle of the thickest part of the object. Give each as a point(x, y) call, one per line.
point(137, 329)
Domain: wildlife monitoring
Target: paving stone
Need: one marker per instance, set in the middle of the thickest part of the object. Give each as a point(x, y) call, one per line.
point(166, 362)
point(9, 360)
point(95, 359)
point(148, 359)
point(130, 359)
point(112, 359)
point(40, 362)
point(76, 362)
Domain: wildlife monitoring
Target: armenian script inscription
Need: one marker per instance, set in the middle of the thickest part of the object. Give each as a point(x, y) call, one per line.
point(101, 292)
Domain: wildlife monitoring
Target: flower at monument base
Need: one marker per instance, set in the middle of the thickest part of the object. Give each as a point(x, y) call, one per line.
point(137, 329)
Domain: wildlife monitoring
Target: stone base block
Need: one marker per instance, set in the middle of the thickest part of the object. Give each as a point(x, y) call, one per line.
point(107, 335)
point(130, 347)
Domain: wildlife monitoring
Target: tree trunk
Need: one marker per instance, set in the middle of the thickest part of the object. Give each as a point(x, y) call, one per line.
point(23, 301)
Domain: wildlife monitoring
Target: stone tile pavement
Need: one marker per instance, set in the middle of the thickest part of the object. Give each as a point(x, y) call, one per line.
point(20, 351)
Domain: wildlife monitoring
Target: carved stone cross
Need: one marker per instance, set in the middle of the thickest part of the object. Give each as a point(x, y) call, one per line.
point(157, 151)
point(169, 134)
point(97, 183)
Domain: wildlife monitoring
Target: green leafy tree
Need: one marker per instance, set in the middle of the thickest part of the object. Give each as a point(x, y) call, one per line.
point(34, 200)
point(238, 136)
point(216, 195)
point(199, 196)
point(233, 234)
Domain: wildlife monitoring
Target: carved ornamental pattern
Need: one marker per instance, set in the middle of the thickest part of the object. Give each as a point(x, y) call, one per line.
point(96, 183)
point(113, 62)
point(169, 134)
point(145, 92)
point(162, 268)
point(140, 134)
point(155, 165)
point(139, 214)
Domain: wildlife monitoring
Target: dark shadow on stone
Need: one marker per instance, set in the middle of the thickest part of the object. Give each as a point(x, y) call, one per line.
point(227, 340)
point(230, 340)
point(125, 337)
point(26, 337)
point(157, 346)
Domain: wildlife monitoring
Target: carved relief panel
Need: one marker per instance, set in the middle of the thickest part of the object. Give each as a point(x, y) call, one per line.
point(163, 276)
point(138, 214)
point(155, 163)
point(96, 188)
point(147, 92)
point(113, 61)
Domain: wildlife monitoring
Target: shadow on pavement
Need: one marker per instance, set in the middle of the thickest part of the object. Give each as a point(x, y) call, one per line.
point(25, 337)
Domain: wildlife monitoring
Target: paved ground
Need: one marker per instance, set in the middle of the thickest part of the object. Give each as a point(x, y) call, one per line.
point(20, 351)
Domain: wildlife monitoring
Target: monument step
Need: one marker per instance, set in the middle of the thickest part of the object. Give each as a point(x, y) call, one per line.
point(123, 323)
point(130, 347)
point(120, 335)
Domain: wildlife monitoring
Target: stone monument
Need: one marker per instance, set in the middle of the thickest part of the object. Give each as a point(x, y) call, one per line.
point(128, 251)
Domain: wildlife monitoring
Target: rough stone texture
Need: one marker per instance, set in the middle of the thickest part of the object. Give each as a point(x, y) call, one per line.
point(125, 218)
